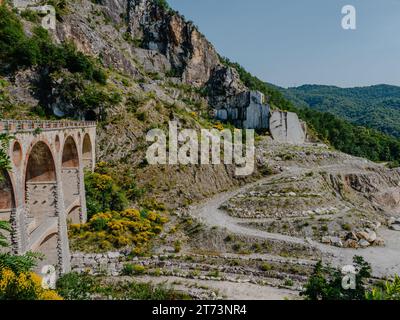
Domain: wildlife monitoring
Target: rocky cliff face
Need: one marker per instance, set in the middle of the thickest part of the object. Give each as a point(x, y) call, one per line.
point(163, 30)
point(155, 36)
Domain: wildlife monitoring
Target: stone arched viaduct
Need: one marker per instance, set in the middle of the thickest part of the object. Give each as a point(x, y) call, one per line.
point(44, 189)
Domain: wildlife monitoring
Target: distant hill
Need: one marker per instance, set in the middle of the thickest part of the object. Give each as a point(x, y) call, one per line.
point(376, 107)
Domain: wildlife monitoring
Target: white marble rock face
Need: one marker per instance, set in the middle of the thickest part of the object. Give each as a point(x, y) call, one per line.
point(25, 3)
point(47, 12)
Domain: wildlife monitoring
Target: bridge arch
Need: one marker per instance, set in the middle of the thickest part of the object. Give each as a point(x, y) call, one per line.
point(17, 153)
point(7, 201)
point(41, 165)
point(70, 174)
point(40, 185)
point(41, 197)
point(47, 245)
point(74, 215)
point(70, 158)
point(87, 152)
point(7, 195)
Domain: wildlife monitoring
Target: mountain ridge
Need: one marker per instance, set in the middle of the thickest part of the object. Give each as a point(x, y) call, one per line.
point(376, 106)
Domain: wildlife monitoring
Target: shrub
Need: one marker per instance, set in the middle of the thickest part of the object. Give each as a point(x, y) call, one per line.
point(228, 238)
point(23, 286)
point(103, 194)
point(30, 15)
point(163, 4)
point(19, 263)
point(326, 283)
point(288, 282)
point(117, 229)
point(141, 116)
point(389, 291)
point(75, 286)
point(219, 126)
point(347, 227)
point(17, 282)
point(237, 246)
point(133, 269)
point(177, 246)
point(266, 267)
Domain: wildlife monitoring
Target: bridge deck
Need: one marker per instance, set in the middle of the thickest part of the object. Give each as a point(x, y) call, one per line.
point(13, 126)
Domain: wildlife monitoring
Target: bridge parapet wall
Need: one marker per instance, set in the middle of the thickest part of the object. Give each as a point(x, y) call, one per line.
point(14, 126)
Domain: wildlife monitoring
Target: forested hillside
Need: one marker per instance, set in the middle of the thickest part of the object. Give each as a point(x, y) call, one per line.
point(376, 107)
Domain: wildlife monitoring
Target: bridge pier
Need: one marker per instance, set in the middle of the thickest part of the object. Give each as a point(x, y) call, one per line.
point(44, 190)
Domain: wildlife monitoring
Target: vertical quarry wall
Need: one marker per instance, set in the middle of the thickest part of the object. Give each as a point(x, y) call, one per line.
point(286, 127)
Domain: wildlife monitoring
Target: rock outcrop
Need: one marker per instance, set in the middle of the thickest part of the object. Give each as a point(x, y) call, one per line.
point(224, 85)
point(246, 110)
point(286, 127)
point(161, 29)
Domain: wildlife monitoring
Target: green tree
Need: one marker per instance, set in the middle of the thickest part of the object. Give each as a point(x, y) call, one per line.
point(326, 283)
point(103, 194)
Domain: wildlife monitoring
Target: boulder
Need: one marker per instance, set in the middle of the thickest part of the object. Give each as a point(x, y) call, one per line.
point(377, 225)
point(326, 240)
point(352, 236)
point(371, 235)
point(350, 243)
point(362, 235)
point(379, 242)
point(113, 255)
point(395, 227)
point(336, 241)
point(363, 243)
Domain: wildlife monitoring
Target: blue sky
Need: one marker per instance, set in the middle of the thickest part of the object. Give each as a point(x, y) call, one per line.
point(295, 42)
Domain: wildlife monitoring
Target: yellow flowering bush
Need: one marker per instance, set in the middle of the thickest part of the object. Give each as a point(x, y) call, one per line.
point(103, 194)
point(219, 126)
point(23, 286)
point(114, 229)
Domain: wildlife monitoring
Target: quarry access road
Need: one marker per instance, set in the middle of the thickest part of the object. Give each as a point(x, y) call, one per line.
point(385, 261)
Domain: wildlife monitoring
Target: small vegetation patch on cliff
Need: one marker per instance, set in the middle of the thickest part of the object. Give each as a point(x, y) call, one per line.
point(61, 69)
point(17, 50)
